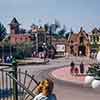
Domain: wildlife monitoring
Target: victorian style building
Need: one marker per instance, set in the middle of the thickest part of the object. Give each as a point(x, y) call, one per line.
point(78, 43)
point(16, 33)
point(95, 40)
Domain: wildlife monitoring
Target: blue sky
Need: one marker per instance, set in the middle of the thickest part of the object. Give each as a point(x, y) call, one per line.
point(72, 13)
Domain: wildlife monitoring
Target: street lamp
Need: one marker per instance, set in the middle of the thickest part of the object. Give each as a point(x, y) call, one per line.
point(36, 36)
point(15, 87)
point(10, 52)
point(50, 32)
point(2, 53)
point(44, 46)
point(44, 50)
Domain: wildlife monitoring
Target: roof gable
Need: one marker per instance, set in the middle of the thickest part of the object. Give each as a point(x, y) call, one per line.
point(14, 21)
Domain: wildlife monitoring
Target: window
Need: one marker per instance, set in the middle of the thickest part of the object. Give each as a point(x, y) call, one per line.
point(81, 39)
point(91, 38)
point(71, 41)
point(97, 38)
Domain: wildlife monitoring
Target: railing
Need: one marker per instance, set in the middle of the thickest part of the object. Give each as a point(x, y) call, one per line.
point(21, 88)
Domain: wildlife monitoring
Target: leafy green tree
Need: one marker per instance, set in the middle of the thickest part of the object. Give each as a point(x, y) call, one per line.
point(68, 34)
point(46, 27)
point(61, 33)
point(23, 50)
point(19, 54)
point(6, 42)
point(27, 49)
point(57, 24)
point(53, 27)
point(2, 32)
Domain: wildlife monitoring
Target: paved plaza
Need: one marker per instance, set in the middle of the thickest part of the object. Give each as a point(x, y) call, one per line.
point(66, 86)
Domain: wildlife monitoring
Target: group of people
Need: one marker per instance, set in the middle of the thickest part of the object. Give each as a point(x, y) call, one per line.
point(44, 90)
point(8, 59)
point(76, 70)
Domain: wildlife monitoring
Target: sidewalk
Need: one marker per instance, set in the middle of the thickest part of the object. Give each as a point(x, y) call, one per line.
point(28, 61)
point(64, 74)
point(32, 61)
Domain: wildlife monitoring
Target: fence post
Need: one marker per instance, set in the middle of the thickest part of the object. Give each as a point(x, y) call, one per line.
point(15, 89)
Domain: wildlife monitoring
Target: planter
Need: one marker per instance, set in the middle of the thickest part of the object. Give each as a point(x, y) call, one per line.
point(88, 80)
point(96, 83)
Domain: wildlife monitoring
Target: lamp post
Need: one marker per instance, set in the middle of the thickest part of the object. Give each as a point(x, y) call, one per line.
point(50, 32)
point(10, 52)
point(36, 36)
point(15, 89)
point(3, 54)
point(44, 50)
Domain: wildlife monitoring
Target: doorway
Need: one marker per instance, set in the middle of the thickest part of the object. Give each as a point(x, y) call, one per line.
point(82, 50)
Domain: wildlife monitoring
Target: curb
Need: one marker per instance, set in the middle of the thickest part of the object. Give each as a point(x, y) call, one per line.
point(70, 83)
point(23, 63)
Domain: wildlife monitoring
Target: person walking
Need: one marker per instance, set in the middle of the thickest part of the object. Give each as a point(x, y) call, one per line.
point(76, 71)
point(81, 68)
point(72, 65)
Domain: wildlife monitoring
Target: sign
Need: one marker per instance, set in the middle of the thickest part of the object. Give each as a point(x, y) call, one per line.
point(60, 48)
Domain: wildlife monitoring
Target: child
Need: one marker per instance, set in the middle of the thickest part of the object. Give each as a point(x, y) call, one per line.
point(76, 71)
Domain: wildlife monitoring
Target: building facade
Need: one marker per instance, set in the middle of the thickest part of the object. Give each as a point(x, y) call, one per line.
point(78, 44)
point(95, 41)
point(16, 35)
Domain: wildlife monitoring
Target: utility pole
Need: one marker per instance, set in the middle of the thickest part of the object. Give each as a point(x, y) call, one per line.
point(10, 50)
point(15, 89)
point(36, 36)
point(3, 54)
point(50, 32)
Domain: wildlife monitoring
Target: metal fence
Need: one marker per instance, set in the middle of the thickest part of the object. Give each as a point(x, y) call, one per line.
point(20, 87)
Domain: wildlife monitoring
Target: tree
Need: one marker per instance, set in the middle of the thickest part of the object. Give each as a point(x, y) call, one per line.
point(46, 27)
point(27, 47)
point(57, 24)
point(23, 31)
point(23, 50)
point(61, 33)
point(68, 34)
point(53, 27)
point(2, 32)
point(71, 31)
point(6, 46)
point(6, 42)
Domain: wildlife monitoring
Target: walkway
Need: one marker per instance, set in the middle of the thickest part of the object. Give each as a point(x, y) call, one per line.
point(28, 61)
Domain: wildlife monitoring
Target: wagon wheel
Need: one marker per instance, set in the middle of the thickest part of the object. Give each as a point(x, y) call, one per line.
point(26, 85)
point(29, 82)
